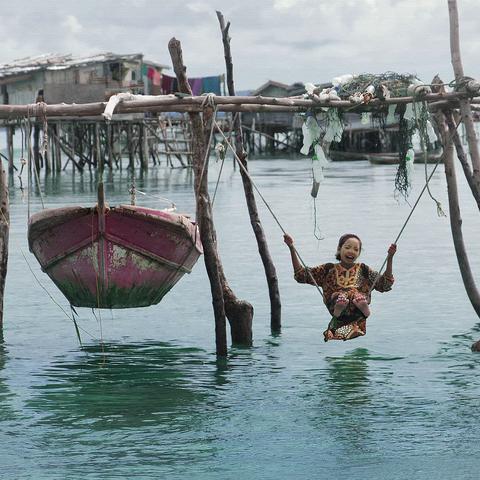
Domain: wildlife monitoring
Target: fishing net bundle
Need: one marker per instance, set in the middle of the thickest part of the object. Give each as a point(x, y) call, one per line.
point(323, 128)
point(395, 83)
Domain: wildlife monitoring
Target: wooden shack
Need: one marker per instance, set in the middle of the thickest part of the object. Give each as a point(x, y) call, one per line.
point(273, 131)
point(66, 79)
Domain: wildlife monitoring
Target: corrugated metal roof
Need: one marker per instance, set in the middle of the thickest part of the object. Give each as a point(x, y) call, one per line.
point(55, 61)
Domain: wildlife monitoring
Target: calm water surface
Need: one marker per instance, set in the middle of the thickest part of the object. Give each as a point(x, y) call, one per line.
point(145, 397)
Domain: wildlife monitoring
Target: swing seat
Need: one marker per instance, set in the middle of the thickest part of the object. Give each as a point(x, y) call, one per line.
point(338, 330)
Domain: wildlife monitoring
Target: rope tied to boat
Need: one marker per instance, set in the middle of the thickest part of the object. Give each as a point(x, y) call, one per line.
point(133, 190)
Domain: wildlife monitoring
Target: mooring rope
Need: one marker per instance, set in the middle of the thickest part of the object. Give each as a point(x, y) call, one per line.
point(51, 297)
point(158, 197)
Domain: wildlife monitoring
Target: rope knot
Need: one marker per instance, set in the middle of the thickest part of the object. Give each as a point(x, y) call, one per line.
point(209, 100)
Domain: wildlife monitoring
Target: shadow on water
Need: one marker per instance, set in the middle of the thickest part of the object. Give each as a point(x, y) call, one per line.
point(127, 385)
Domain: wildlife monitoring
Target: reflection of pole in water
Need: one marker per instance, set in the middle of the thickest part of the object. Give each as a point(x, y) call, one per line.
point(7, 412)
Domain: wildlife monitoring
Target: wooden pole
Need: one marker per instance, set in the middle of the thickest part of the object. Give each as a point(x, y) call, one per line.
point(204, 210)
point(462, 156)
point(170, 103)
point(269, 267)
point(109, 144)
point(473, 174)
point(10, 130)
point(98, 152)
point(45, 152)
point(465, 108)
point(455, 217)
point(58, 153)
point(73, 142)
point(4, 234)
point(131, 159)
point(36, 146)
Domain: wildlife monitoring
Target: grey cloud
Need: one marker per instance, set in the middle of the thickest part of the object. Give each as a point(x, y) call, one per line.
point(285, 45)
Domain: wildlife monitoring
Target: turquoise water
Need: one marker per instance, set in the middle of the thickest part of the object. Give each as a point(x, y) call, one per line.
point(146, 398)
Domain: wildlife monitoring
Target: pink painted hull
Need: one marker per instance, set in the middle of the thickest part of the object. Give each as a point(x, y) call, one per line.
point(127, 257)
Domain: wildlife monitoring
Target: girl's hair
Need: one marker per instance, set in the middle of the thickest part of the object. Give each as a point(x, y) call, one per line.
point(343, 239)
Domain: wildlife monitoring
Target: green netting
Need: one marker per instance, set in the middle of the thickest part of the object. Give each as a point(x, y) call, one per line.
point(396, 83)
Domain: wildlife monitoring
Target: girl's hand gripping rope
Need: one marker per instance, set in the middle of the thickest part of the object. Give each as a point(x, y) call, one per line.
point(288, 240)
point(392, 250)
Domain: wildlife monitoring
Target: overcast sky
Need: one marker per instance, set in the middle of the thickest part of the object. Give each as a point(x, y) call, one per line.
point(282, 40)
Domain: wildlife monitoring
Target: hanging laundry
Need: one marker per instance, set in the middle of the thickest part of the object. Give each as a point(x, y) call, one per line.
point(196, 85)
point(167, 84)
point(150, 73)
point(157, 78)
point(211, 85)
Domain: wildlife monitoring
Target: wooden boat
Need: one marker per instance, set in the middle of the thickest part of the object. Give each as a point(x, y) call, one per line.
point(340, 155)
point(391, 158)
point(119, 257)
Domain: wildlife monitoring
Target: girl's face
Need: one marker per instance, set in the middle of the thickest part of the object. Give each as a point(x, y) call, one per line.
point(350, 251)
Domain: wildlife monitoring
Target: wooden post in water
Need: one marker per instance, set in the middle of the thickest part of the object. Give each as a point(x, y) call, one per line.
point(45, 150)
point(269, 267)
point(98, 153)
point(4, 234)
point(131, 159)
point(10, 131)
point(36, 147)
point(474, 173)
point(204, 210)
point(109, 144)
point(145, 145)
point(58, 151)
point(455, 216)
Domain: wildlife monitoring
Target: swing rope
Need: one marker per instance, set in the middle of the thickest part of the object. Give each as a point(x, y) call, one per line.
point(266, 204)
point(425, 187)
point(284, 231)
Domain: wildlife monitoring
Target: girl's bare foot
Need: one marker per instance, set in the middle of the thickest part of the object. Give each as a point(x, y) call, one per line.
point(361, 303)
point(340, 305)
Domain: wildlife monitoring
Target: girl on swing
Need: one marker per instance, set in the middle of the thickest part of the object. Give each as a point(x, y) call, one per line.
point(346, 286)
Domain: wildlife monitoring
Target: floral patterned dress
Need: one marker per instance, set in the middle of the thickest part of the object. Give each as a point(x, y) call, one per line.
point(335, 279)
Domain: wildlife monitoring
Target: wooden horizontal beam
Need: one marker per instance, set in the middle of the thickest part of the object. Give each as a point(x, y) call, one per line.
point(171, 103)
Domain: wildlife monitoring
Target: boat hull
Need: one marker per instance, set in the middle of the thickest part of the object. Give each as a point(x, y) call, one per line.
point(392, 158)
point(121, 257)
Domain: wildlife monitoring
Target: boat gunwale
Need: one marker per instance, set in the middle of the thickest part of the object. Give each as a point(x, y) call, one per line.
point(42, 221)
